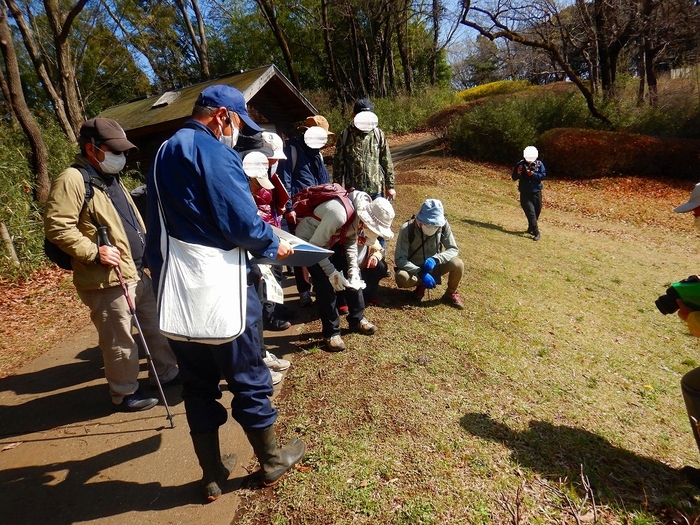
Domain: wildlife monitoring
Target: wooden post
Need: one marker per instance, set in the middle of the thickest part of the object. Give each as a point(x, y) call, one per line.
point(5, 234)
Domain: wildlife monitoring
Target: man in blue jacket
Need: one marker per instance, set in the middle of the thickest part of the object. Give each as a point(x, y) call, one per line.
point(206, 200)
point(530, 172)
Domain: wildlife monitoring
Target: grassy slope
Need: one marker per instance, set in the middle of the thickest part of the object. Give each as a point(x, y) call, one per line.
point(560, 359)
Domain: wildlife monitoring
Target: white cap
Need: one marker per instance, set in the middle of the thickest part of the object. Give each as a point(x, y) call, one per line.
point(274, 141)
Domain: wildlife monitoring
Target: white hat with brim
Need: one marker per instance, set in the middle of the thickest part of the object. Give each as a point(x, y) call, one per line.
point(256, 166)
point(376, 215)
point(692, 203)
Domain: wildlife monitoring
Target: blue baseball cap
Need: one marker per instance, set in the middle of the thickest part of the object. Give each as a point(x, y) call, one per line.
point(223, 96)
point(431, 213)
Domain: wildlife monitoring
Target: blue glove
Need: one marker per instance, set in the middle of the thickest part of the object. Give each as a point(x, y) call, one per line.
point(428, 281)
point(429, 264)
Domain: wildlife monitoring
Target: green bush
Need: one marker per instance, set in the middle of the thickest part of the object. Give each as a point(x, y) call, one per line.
point(498, 130)
point(18, 211)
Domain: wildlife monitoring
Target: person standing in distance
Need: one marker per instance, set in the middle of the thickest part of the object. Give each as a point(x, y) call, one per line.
point(530, 172)
point(206, 200)
point(72, 226)
point(362, 159)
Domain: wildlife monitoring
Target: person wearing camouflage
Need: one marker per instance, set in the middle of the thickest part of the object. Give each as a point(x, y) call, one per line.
point(362, 159)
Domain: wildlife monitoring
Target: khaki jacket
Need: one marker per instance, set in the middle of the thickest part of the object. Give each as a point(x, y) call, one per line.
point(76, 234)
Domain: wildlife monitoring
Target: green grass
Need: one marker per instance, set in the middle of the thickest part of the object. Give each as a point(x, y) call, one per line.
point(559, 364)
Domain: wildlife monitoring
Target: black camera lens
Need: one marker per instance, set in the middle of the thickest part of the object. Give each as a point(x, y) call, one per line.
point(667, 303)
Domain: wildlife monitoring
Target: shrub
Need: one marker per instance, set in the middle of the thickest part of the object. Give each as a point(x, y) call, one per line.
point(18, 211)
point(501, 87)
point(587, 154)
point(498, 130)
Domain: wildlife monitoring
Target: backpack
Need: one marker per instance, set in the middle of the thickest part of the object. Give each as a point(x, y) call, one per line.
point(305, 201)
point(52, 251)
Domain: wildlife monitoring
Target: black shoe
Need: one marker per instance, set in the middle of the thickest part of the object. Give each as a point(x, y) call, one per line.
point(276, 325)
point(136, 402)
point(284, 313)
point(536, 236)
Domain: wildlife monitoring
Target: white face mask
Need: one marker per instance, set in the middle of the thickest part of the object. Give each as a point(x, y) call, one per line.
point(697, 223)
point(228, 140)
point(429, 230)
point(273, 168)
point(113, 162)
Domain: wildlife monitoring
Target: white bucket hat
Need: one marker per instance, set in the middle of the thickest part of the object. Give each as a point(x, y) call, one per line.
point(376, 214)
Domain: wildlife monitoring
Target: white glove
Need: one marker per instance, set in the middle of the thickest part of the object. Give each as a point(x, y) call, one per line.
point(356, 284)
point(338, 281)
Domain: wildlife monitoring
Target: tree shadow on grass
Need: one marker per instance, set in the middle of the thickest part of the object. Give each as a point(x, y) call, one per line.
point(619, 478)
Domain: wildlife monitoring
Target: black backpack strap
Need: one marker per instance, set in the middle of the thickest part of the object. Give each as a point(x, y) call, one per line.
point(90, 182)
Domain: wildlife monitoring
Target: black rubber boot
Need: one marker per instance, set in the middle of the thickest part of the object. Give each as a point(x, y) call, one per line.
point(216, 469)
point(274, 461)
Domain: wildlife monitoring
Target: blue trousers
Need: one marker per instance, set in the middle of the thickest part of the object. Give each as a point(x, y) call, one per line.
point(239, 362)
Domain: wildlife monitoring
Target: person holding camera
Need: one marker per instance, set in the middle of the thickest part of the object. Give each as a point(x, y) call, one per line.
point(690, 382)
point(425, 251)
point(530, 172)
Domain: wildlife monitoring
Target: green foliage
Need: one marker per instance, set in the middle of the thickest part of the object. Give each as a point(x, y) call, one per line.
point(498, 130)
point(398, 114)
point(501, 87)
point(18, 211)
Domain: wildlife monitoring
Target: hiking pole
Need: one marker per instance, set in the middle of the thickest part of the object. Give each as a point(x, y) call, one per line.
point(103, 240)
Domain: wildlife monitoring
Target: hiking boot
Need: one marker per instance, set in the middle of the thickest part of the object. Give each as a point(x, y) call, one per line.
point(277, 377)
point(453, 299)
point(364, 327)
point(343, 310)
point(275, 363)
point(419, 292)
point(536, 236)
point(335, 343)
point(276, 324)
point(136, 402)
point(305, 299)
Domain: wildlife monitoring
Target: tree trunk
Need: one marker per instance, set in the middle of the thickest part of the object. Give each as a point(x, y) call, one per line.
point(402, 44)
point(7, 241)
point(267, 8)
point(327, 40)
point(37, 59)
point(199, 38)
point(6, 95)
point(40, 157)
point(432, 64)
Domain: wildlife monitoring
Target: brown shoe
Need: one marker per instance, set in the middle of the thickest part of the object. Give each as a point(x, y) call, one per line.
point(453, 299)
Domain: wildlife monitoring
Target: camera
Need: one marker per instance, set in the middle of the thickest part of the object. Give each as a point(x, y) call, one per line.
point(687, 290)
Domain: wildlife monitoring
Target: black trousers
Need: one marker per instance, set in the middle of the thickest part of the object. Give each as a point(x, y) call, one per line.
point(531, 203)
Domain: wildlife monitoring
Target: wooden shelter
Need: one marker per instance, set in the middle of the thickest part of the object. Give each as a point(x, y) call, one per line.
point(273, 103)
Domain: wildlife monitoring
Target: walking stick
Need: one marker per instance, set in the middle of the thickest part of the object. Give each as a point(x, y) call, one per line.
point(103, 240)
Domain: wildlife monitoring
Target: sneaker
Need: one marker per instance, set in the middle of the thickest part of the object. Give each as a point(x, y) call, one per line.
point(277, 325)
point(136, 402)
point(343, 310)
point(276, 377)
point(453, 299)
point(305, 299)
point(275, 363)
point(419, 292)
point(335, 344)
point(364, 327)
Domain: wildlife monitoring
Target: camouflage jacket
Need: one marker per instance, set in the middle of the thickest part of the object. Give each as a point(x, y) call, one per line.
point(362, 161)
